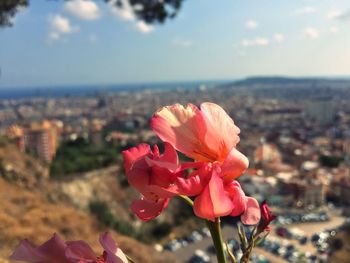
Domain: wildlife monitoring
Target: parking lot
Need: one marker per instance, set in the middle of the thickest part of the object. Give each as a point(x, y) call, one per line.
point(184, 248)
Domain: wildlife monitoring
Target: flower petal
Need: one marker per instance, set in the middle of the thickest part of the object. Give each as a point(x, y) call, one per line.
point(168, 159)
point(237, 197)
point(189, 186)
point(169, 155)
point(147, 210)
point(196, 181)
point(25, 251)
point(136, 167)
point(184, 129)
point(52, 250)
point(78, 250)
point(252, 215)
point(155, 192)
point(134, 153)
point(234, 165)
point(213, 201)
point(221, 134)
point(108, 243)
point(114, 254)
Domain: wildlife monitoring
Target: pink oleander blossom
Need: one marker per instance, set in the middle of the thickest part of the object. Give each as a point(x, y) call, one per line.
point(55, 250)
point(209, 136)
point(153, 175)
point(225, 197)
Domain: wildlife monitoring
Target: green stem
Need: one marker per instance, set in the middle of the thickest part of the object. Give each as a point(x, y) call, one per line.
point(215, 231)
point(216, 235)
point(246, 256)
point(129, 259)
point(187, 200)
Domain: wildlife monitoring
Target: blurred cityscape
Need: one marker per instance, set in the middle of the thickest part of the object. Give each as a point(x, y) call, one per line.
point(295, 132)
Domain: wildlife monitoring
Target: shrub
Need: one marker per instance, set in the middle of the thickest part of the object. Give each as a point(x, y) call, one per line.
point(103, 214)
point(81, 156)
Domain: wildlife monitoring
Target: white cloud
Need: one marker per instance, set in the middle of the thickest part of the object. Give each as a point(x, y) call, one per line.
point(54, 36)
point(334, 14)
point(305, 10)
point(258, 41)
point(334, 29)
point(311, 32)
point(182, 42)
point(278, 37)
point(251, 24)
point(340, 15)
point(261, 41)
point(60, 25)
point(125, 13)
point(83, 9)
point(143, 27)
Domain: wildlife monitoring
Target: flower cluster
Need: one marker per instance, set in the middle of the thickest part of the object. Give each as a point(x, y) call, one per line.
point(55, 250)
point(209, 137)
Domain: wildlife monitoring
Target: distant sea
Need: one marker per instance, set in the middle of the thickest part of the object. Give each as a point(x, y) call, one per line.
point(95, 90)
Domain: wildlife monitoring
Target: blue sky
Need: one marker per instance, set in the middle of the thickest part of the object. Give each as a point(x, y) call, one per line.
point(84, 42)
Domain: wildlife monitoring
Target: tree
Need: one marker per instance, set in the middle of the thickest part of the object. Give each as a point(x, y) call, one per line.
point(9, 8)
point(149, 11)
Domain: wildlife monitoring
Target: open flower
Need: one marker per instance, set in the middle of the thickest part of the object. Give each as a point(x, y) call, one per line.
point(207, 134)
point(153, 175)
point(55, 250)
point(210, 136)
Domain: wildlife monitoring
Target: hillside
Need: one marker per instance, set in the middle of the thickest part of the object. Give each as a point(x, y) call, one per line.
point(33, 207)
point(21, 169)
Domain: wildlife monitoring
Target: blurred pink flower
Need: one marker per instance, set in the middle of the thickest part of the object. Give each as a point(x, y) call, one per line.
point(153, 175)
point(55, 250)
point(52, 251)
point(81, 252)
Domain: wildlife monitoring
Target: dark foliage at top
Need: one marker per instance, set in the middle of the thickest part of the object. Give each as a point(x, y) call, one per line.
point(9, 8)
point(153, 11)
point(150, 11)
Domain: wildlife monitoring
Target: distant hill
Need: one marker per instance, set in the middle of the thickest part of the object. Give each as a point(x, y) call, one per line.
point(289, 80)
point(290, 87)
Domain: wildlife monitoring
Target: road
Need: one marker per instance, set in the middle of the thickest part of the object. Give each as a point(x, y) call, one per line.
point(185, 253)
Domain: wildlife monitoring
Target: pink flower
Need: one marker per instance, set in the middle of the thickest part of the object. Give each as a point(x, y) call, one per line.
point(52, 251)
point(266, 218)
point(80, 252)
point(207, 134)
point(225, 197)
point(243, 205)
point(55, 250)
point(153, 175)
point(210, 136)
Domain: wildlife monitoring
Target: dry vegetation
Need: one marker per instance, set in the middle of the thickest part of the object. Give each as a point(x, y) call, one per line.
point(28, 210)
